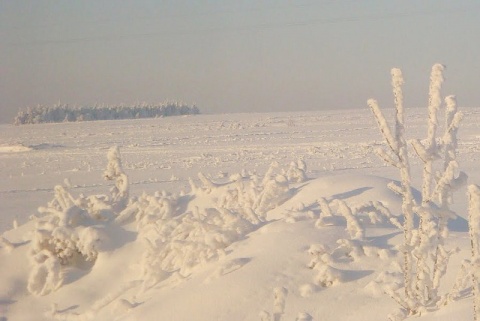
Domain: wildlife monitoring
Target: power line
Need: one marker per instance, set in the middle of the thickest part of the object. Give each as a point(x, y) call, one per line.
point(173, 16)
point(255, 27)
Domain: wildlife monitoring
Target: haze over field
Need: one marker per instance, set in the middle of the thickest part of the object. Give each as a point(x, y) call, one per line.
point(231, 56)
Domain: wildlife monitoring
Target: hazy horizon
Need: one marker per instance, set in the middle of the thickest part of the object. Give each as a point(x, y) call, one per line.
point(228, 56)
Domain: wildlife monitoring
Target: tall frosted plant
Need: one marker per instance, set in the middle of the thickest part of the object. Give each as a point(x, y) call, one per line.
point(425, 258)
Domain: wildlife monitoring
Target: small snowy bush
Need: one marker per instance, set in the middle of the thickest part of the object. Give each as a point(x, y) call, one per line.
point(297, 172)
point(66, 234)
point(71, 230)
point(176, 241)
point(179, 233)
point(114, 171)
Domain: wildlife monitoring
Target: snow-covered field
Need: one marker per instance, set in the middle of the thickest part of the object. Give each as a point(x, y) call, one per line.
point(244, 241)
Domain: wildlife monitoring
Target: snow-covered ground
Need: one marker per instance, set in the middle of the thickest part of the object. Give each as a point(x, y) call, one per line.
point(243, 241)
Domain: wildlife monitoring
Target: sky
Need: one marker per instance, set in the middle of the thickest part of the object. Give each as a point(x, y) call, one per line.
point(234, 56)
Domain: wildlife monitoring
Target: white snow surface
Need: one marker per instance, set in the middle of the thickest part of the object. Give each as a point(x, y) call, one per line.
point(243, 240)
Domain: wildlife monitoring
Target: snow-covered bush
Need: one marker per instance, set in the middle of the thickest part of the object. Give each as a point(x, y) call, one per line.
point(274, 192)
point(72, 230)
point(218, 214)
point(321, 262)
point(354, 227)
point(425, 257)
point(179, 232)
point(297, 172)
point(325, 213)
point(178, 242)
point(65, 113)
point(114, 171)
point(355, 216)
point(67, 233)
point(67, 228)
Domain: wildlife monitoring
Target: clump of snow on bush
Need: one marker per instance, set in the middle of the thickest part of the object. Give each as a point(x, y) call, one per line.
point(327, 275)
point(321, 261)
point(71, 230)
point(297, 171)
point(275, 191)
point(46, 275)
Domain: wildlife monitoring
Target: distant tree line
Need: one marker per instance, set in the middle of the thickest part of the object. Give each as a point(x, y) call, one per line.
point(64, 113)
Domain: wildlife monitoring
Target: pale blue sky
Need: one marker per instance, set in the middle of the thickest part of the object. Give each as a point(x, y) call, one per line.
point(234, 56)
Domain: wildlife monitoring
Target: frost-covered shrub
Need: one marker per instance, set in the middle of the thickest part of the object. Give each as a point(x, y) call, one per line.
point(247, 194)
point(325, 213)
point(183, 242)
point(275, 191)
point(357, 249)
point(319, 253)
point(425, 257)
point(354, 227)
point(377, 213)
point(178, 241)
point(114, 171)
point(73, 230)
point(297, 172)
point(321, 262)
point(66, 234)
point(66, 229)
point(179, 233)
point(354, 215)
